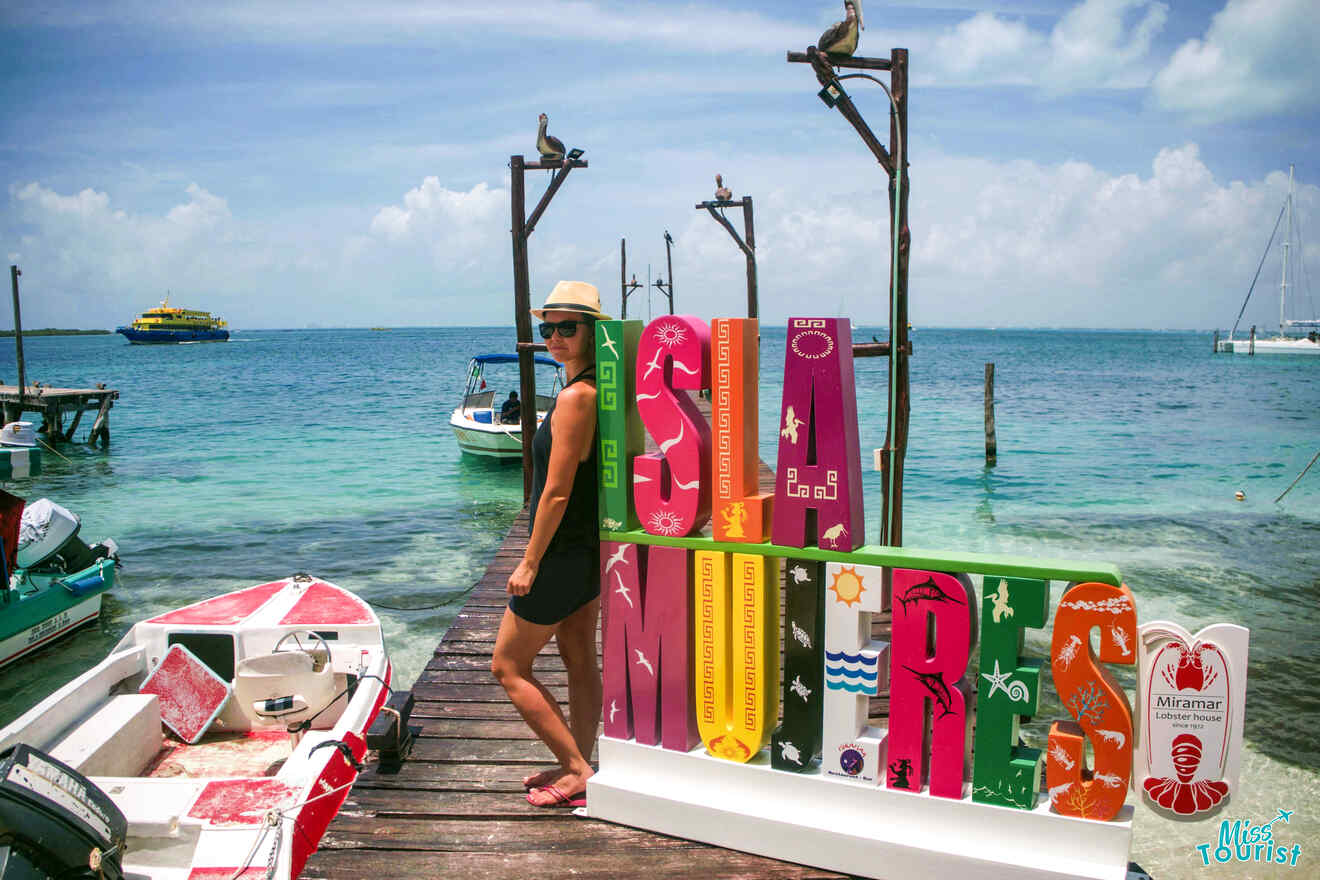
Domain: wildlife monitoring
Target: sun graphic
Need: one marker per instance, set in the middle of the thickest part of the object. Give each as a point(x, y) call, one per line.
point(664, 522)
point(848, 586)
point(670, 334)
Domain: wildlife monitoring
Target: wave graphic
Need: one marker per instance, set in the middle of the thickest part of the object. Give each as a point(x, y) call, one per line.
point(852, 673)
point(836, 656)
point(854, 688)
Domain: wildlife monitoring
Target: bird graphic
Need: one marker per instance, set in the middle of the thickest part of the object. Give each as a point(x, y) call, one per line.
point(643, 662)
point(655, 364)
point(623, 590)
point(791, 425)
point(609, 343)
point(614, 708)
point(722, 192)
point(841, 38)
point(549, 146)
point(615, 558)
point(1000, 600)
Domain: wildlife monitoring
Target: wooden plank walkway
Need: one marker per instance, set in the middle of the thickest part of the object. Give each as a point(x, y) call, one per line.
point(456, 808)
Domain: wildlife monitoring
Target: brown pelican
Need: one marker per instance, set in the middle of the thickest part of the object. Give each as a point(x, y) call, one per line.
point(722, 192)
point(841, 38)
point(549, 146)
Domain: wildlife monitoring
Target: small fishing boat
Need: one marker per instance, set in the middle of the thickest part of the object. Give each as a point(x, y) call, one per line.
point(1306, 336)
point(168, 324)
point(216, 740)
point(481, 423)
point(54, 579)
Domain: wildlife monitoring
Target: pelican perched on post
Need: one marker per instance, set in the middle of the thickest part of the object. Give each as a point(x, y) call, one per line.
point(722, 192)
point(549, 146)
point(841, 38)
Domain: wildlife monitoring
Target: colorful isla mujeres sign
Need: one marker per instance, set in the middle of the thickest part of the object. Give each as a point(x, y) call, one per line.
point(692, 672)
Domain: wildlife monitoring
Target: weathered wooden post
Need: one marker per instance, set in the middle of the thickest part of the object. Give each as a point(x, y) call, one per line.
point(523, 226)
point(1216, 343)
point(626, 287)
point(746, 242)
point(14, 272)
point(991, 443)
point(896, 166)
point(1251, 347)
point(667, 288)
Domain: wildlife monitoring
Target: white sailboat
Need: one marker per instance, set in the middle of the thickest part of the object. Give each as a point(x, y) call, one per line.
point(1308, 342)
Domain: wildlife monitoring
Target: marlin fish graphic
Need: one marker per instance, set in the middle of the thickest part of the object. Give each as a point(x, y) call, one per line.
point(939, 691)
point(928, 590)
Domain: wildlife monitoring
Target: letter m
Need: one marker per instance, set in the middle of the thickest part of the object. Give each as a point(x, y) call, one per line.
point(648, 645)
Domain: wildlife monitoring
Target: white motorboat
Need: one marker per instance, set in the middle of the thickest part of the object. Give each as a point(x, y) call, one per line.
point(480, 423)
point(217, 740)
point(1283, 343)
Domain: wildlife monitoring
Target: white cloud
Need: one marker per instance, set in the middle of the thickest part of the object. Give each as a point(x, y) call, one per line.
point(1257, 58)
point(1097, 44)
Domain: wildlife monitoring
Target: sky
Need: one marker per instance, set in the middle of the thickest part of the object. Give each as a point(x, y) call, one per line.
point(326, 163)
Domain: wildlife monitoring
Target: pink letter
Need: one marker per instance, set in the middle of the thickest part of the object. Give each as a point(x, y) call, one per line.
point(671, 491)
point(930, 670)
point(648, 645)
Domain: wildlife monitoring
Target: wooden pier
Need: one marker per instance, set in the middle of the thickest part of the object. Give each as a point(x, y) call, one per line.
point(456, 807)
point(53, 404)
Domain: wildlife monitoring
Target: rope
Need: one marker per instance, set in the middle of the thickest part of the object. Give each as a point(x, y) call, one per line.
point(1257, 275)
point(1299, 476)
point(444, 604)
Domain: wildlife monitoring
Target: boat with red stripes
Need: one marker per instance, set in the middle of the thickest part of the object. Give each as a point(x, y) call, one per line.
point(216, 740)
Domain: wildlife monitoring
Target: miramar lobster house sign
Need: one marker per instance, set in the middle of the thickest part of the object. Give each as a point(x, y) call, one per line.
point(694, 744)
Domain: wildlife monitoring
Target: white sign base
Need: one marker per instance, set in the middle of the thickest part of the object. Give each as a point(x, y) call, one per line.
point(847, 827)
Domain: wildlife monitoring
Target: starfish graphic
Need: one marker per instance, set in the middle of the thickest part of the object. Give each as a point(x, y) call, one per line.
point(998, 681)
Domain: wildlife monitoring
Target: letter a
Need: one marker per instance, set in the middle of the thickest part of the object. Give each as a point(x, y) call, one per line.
point(820, 468)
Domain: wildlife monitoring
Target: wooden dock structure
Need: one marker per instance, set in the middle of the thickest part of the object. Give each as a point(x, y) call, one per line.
point(456, 807)
point(53, 404)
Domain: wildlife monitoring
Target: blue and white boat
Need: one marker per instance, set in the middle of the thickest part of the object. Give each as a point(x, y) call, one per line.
point(480, 425)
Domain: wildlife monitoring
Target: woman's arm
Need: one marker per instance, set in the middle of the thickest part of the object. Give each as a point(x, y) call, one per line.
point(572, 431)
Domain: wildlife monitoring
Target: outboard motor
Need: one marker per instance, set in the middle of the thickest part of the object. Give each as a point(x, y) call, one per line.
point(54, 823)
point(48, 541)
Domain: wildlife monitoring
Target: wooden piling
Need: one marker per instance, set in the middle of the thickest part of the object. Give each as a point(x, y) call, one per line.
point(14, 272)
point(1251, 348)
point(1216, 343)
point(746, 242)
point(991, 444)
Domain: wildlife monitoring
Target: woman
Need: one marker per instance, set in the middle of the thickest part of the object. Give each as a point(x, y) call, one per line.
point(555, 590)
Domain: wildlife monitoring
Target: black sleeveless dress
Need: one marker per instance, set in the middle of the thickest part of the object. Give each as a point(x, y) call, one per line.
point(569, 576)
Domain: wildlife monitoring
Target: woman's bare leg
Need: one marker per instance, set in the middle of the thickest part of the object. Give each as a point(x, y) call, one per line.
point(516, 645)
point(577, 648)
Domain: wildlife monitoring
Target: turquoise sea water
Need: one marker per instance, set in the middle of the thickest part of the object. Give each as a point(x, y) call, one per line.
point(329, 451)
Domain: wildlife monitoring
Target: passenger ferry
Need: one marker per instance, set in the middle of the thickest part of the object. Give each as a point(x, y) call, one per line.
point(168, 324)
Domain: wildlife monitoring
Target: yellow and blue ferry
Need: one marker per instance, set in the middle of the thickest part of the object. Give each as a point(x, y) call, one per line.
point(166, 324)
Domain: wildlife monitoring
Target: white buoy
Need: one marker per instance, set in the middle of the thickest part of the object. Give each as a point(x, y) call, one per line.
point(1240, 495)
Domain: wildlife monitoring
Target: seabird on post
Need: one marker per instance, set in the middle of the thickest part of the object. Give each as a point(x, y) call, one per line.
point(549, 146)
point(722, 192)
point(841, 38)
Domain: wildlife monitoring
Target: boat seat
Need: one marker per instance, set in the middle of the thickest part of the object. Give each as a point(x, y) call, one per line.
point(285, 686)
point(118, 739)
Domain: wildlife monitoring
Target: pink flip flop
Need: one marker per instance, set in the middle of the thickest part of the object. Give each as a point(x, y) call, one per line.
point(560, 799)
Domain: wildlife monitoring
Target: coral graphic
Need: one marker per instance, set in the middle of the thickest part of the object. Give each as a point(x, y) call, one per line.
point(1183, 796)
point(1088, 703)
point(1080, 802)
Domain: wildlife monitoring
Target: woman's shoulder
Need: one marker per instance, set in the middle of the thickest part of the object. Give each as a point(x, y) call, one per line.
point(579, 394)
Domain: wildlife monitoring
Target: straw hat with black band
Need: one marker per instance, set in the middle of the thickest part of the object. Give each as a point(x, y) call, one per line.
point(573, 296)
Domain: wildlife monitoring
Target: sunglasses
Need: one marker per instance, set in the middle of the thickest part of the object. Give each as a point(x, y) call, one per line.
point(567, 329)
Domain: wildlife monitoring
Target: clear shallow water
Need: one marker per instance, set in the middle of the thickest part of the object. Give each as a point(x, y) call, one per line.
point(329, 451)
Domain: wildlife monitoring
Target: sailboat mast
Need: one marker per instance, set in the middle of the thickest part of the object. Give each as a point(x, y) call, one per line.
point(1283, 283)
